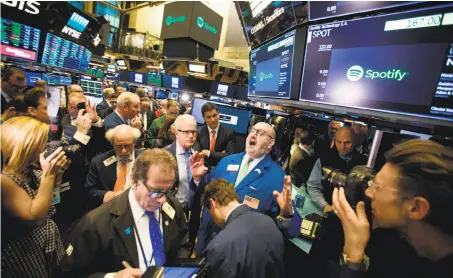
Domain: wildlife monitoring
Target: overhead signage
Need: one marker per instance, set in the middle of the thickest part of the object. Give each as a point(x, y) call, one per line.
point(75, 26)
point(30, 7)
point(201, 23)
point(172, 19)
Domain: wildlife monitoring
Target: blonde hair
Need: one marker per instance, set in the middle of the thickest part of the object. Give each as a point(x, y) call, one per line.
point(125, 98)
point(23, 138)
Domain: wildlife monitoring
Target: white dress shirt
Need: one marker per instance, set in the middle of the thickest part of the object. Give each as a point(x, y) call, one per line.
point(6, 96)
point(144, 120)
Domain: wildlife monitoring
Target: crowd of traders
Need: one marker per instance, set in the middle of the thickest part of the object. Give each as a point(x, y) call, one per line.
point(132, 180)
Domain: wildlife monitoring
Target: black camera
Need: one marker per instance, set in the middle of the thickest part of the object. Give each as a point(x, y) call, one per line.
point(55, 141)
point(355, 183)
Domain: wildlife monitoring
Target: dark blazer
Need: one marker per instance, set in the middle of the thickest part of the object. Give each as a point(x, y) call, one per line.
point(104, 113)
point(100, 178)
point(102, 105)
point(300, 166)
point(249, 246)
point(112, 121)
point(105, 237)
point(150, 118)
point(4, 103)
point(225, 143)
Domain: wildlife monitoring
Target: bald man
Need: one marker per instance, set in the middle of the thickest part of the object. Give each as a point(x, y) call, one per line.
point(109, 173)
point(74, 88)
point(343, 157)
point(259, 182)
point(42, 84)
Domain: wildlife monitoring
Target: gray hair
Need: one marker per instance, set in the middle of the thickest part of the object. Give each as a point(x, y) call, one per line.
point(112, 133)
point(107, 92)
point(125, 98)
point(184, 119)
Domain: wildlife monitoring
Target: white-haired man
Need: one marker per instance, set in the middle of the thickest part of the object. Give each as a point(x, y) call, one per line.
point(109, 173)
point(126, 112)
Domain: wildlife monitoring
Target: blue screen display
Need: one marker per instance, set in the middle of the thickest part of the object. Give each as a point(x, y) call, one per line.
point(183, 272)
point(172, 82)
point(32, 77)
point(271, 68)
point(56, 80)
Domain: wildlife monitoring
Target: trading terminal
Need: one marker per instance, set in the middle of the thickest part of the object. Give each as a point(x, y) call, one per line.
point(325, 126)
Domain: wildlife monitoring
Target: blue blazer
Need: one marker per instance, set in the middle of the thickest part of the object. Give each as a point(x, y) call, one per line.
point(259, 184)
point(112, 121)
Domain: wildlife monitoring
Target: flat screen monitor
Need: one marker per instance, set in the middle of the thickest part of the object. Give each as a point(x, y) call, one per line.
point(32, 77)
point(236, 118)
point(121, 63)
point(264, 20)
point(56, 79)
point(154, 79)
point(131, 76)
point(62, 53)
point(91, 87)
point(271, 67)
point(399, 63)
point(173, 82)
point(161, 94)
point(95, 72)
point(326, 9)
point(19, 41)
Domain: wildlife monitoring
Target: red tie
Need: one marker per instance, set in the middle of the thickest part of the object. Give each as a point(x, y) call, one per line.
point(212, 146)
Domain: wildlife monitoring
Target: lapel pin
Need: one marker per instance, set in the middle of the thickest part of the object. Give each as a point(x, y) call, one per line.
point(128, 231)
point(166, 223)
point(258, 171)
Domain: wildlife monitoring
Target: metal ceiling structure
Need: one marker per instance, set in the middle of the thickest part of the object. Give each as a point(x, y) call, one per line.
point(126, 7)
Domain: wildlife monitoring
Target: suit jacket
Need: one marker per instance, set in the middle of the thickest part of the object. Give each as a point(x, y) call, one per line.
point(250, 246)
point(225, 143)
point(104, 113)
point(4, 103)
point(112, 121)
point(300, 166)
point(259, 184)
point(150, 118)
point(100, 178)
point(153, 130)
point(105, 237)
point(101, 106)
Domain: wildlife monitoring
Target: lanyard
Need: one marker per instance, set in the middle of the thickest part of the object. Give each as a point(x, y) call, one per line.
point(141, 246)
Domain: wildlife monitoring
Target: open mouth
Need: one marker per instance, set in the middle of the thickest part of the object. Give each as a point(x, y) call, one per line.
point(252, 142)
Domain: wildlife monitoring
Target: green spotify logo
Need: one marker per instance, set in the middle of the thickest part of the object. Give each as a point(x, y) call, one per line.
point(356, 73)
point(264, 76)
point(202, 23)
point(171, 19)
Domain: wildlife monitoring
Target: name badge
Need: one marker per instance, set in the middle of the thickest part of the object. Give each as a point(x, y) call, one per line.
point(169, 210)
point(233, 168)
point(55, 196)
point(251, 202)
point(109, 161)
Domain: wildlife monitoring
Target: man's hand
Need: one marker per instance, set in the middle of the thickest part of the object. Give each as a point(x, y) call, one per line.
point(355, 226)
point(204, 153)
point(197, 166)
point(91, 110)
point(83, 122)
point(283, 198)
point(111, 195)
point(129, 273)
point(326, 209)
point(136, 122)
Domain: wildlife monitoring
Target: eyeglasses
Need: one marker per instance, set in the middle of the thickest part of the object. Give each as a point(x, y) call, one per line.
point(188, 132)
point(124, 146)
point(156, 194)
point(260, 132)
point(376, 187)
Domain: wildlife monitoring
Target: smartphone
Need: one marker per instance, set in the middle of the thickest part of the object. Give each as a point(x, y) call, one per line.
point(81, 105)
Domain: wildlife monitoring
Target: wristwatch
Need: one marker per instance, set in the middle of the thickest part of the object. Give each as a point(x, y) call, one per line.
point(360, 266)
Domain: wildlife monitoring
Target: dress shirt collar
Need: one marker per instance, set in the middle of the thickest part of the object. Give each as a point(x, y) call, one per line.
point(229, 213)
point(216, 130)
point(137, 211)
point(255, 160)
point(121, 117)
point(181, 150)
point(307, 151)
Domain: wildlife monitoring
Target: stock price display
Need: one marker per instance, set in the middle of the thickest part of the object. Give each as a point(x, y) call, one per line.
point(62, 53)
point(19, 40)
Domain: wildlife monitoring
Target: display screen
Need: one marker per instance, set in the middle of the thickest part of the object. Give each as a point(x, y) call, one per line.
point(32, 77)
point(264, 20)
point(174, 271)
point(56, 80)
point(95, 72)
point(154, 79)
point(326, 9)
point(271, 68)
point(174, 82)
point(91, 87)
point(399, 63)
point(19, 40)
point(62, 53)
point(206, 25)
point(130, 76)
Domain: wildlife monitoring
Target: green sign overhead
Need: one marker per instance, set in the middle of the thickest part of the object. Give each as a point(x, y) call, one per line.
point(201, 23)
point(172, 20)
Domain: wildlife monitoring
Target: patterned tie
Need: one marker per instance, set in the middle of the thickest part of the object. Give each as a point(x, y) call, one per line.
point(212, 146)
point(187, 157)
point(121, 177)
point(157, 241)
point(243, 170)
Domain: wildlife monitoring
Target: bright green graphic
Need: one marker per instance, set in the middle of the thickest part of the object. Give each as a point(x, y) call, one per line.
point(172, 20)
point(356, 72)
point(201, 23)
point(264, 76)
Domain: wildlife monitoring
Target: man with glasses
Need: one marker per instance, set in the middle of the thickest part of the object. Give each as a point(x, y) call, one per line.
point(12, 85)
point(143, 227)
point(259, 182)
point(109, 172)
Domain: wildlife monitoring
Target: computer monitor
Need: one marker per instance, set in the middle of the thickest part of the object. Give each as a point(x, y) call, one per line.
point(19, 40)
point(32, 77)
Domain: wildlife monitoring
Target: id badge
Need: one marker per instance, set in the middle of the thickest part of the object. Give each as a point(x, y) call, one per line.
point(56, 196)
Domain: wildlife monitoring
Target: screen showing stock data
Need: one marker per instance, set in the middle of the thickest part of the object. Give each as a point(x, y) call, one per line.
point(19, 40)
point(399, 63)
point(62, 53)
point(271, 67)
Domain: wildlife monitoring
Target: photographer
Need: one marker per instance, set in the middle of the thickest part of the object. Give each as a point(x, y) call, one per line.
point(413, 193)
point(31, 245)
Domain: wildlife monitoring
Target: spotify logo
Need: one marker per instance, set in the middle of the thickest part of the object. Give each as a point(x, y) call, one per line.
point(200, 21)
point(355, 73)
point(264, 76)
point(171, 19)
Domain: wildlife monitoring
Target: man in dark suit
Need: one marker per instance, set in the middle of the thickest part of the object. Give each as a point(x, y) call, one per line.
point(216, 141)
point(105, 103)
point(146, 115)
point(126, 112)
point(145, 226)
point(13, 84)
point(249, 245)
point(109, 110)
point(326, 142)
point(109, 173)
point(303, 159)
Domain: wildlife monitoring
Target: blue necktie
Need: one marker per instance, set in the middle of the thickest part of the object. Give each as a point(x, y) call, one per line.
point(157, 240)
point(189, 173)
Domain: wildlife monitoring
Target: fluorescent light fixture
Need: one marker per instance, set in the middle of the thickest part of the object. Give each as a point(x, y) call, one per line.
point(185, 97)
point(197, 68)
point(153, 67)
point(258, 6)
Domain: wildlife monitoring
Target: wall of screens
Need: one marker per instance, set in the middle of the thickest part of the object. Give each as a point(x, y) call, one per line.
point(19, 40)
point(398, 63)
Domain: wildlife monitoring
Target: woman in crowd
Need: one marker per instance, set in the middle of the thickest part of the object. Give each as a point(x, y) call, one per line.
point(31, 244)
point(166, 135)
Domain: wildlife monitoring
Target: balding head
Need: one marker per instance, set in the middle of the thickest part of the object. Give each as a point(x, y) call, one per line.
point(74, 88)
point(123, 138)
point(260, 140)
point(41, 84)
point(186, 131)
point(344, 141)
